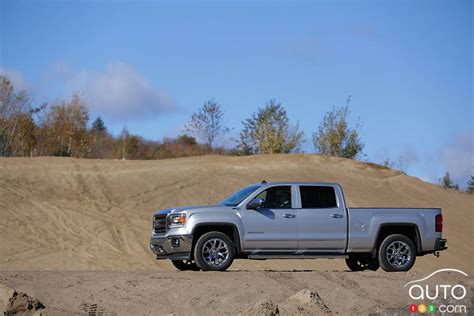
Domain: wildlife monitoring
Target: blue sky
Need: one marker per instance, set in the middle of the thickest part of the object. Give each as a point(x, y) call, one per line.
point(149, 64)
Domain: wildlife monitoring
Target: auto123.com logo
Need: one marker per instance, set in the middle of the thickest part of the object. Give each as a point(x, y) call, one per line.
point(439, 297)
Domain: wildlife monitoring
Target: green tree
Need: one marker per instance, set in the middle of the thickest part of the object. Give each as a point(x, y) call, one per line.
point(98, 125)
point(447, 183)
point(207, 123)
point(100, 140)
point(269, 131)
point(470, 186)
point(334, 136)
point(186, 140)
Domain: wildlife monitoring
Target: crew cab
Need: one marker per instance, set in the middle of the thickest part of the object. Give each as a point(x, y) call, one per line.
point(295, 220)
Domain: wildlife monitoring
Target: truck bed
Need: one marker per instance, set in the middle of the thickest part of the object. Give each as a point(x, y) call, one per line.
point(364, 224)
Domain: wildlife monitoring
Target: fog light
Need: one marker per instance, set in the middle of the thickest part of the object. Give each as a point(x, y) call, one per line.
point(174, 242)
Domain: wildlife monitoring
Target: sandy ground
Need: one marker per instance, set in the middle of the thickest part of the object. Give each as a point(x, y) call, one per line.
point(72, 214)
point(63, 214)
point(214, 293)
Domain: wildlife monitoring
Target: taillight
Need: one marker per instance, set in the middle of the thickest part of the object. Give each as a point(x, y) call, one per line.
point(439, 223)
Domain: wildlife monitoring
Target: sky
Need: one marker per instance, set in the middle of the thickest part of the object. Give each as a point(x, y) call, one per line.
point(148, 65)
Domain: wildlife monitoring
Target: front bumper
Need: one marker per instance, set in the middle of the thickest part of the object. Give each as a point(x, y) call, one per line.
point(172, 247)
point(440, 244)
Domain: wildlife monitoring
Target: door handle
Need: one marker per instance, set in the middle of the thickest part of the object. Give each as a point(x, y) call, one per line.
point(337, 216)
point(289, 216)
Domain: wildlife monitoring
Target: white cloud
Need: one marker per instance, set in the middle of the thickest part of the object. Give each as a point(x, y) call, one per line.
point(119, 92)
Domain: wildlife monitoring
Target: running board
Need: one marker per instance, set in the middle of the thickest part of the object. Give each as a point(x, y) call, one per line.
point(296, 256)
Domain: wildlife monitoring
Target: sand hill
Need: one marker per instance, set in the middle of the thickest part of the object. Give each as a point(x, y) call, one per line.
point(70, 214)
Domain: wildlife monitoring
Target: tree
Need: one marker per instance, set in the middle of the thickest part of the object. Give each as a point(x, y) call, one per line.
point(65, 125)
point(387, 163)
point(268, 131)
point(186, 140)
point(207, 123)
point(334, 136)
point(447, 183)
point(17, 128)
point(124, 140)
point(470, 186)
point(100, 140)
point(98, 125)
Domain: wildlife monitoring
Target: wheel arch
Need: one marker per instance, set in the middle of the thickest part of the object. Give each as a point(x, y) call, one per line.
point(229, 229)
point(410, 230)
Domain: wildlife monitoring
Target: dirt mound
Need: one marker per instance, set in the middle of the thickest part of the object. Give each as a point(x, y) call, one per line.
point(73, 214)
point(261, 308)
point(304, 302)
point(13, 302)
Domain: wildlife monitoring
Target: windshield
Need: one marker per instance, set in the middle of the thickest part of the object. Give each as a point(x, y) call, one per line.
point(236, 198)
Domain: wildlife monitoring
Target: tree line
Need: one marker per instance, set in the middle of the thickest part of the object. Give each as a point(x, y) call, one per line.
point(64, 129)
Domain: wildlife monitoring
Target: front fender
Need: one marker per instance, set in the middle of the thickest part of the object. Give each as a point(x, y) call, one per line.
point(215, 219)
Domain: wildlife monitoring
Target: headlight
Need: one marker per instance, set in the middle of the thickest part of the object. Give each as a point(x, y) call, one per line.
point(177, 220)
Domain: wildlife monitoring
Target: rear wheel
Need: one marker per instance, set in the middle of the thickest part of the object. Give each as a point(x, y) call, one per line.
point(361, 262)
point(214, 251)
point(397, 253)
point(185, 265)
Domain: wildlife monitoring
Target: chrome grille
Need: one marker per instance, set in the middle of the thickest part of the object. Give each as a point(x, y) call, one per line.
point(159, 224)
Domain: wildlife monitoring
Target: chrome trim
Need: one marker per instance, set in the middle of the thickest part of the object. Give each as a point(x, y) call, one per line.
point(163, 247)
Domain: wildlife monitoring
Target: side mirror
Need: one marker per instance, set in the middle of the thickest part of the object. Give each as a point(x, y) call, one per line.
point(255, 204)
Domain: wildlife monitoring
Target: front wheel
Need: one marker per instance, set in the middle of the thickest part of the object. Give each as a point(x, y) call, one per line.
point(185, 265)
point(214, 251)
point(361, 262)
point(397, 253)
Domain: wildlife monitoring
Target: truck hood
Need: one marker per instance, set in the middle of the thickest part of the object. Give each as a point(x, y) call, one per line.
point(193, 208)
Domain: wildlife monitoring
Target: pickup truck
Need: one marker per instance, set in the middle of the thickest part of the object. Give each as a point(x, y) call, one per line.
point(295, 220)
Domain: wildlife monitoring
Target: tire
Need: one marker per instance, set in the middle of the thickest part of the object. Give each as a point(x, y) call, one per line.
point(185, 265)
point(361, 262)
point(397, 253)
point(214, 251)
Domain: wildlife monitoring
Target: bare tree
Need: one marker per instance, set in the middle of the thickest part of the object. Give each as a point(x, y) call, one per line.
point(124, 139)
point(387, 163)
point(402, 165)
point(207, 123)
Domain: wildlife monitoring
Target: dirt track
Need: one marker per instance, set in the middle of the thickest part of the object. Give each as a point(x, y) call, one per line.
point(215, 293)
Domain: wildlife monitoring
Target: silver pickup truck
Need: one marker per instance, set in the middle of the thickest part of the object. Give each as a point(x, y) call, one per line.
point(295, 220)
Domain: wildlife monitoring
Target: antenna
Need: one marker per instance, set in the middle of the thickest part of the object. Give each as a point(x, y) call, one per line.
point(264, 181)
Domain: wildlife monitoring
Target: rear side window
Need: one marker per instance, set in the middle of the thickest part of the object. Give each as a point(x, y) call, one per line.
point(317, 197)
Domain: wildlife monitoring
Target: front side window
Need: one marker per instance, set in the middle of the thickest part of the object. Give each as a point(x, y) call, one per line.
point(318, 197)
point(276, 197)
point(236, 198)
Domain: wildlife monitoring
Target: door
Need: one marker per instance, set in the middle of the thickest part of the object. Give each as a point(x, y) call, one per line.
point(321, 220)
point(273, 227)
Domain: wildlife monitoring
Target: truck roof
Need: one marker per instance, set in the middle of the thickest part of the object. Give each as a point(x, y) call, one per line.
point(296, 182)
